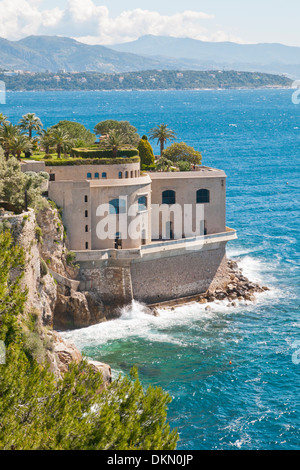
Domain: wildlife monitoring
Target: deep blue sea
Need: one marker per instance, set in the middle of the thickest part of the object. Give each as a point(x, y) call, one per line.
point(254, 136)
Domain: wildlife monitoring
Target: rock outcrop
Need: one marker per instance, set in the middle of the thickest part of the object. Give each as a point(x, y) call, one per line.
point(49, 280)
point(239, 288)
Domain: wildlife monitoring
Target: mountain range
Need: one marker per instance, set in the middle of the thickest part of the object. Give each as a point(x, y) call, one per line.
point(53, 53)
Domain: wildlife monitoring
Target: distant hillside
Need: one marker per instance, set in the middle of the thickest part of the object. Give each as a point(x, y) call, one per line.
point(52, 53)
point(271, 58)
point(41, 53)
point(148, 80)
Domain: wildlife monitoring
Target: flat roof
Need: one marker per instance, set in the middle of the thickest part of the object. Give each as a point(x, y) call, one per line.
point(141, 180)
point(200, 172)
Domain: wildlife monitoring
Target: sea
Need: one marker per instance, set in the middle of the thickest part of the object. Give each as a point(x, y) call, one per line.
point(232, 373)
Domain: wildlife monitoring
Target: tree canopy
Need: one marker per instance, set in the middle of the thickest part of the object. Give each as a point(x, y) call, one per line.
point(179, 152)
point(30, 123)
point(78, 133)
point(14, 183)
point(162, 134)
point(104, 128)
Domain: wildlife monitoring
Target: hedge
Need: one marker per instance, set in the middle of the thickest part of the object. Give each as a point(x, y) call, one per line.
point(98, 161)
point(98, 153)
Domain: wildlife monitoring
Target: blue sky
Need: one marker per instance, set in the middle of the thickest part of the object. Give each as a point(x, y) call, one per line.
point(103, 22)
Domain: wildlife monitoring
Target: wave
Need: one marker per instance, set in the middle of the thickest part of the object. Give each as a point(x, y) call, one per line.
point(135, 322)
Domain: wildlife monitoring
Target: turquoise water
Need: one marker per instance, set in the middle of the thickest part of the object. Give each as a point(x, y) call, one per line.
point(254, 136)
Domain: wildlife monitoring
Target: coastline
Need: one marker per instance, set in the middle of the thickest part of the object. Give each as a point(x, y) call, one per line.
point(240, 288)
point(150, 89)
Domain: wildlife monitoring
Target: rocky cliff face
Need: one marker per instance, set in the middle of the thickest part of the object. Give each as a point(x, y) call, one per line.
point(49, 279)
point(71, 309)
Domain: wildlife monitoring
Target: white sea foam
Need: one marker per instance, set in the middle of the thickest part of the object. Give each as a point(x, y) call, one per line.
point(136, 323)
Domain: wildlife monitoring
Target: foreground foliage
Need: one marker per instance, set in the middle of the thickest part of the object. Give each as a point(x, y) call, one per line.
point(39, 413)
point(14, 184)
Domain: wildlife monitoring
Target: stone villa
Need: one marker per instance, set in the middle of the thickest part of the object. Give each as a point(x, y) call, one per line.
point(174, 255)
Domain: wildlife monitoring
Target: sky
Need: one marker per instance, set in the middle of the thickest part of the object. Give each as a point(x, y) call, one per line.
point(115, 21)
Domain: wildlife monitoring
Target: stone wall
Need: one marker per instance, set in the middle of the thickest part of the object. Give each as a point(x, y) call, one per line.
point(154, 278)
point(109, 281)
point(173, 277)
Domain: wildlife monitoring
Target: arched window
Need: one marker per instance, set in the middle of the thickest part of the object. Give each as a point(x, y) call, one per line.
point(120, 175)
point(86, 228)
point(104, 175)
point(169, 197)
point(89, 176)
point(142, 201)
point(126, 174)
point(117, 206)
point(202, 196)
point(97, 176)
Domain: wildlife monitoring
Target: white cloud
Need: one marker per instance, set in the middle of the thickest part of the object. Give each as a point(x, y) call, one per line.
point(19, 18)
point(87, 22)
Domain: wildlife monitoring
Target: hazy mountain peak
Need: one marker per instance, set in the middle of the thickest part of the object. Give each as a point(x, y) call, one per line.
point(53, 53)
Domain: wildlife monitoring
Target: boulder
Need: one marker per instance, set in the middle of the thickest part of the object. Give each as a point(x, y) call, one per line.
point(105, 371)
point(71, 312)
point(63, 353)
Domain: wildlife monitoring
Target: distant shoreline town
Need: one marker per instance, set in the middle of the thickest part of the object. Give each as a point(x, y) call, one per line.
point(18, 80)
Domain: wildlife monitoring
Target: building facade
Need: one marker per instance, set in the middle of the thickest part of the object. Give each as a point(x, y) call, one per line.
point(151, 237)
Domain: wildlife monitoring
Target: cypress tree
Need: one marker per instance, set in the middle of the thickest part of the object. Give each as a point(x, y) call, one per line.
point(146, 152)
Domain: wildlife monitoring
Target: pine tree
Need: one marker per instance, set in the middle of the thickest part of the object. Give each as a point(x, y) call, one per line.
point(37, 412)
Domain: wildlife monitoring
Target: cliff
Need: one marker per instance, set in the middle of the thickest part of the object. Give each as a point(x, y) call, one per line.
point(48, 278)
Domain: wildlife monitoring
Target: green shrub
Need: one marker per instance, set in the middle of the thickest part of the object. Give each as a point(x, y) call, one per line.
point(149, 167)
point(38, 234)
point(43, 268)
point(70, 258)
point(99, 153)
point(99, 161)
point(183, 166)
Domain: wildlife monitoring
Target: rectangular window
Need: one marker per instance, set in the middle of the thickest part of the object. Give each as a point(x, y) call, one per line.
point(86, 199)
point(52, 177)
point(86, 246)
point(86, 214)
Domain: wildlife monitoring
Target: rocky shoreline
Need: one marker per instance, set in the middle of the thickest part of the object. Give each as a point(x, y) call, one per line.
point(238, 289)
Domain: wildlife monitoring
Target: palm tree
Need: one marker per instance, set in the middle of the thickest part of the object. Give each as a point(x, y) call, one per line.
point(46, 140)
point(3, 119)
point(20, 143)
point(30, 122)
point(8, 132)
point(61, 140)
point(115, 140)
point(162, 133)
